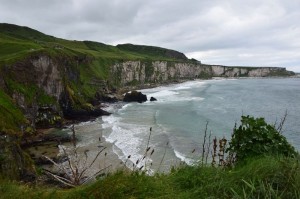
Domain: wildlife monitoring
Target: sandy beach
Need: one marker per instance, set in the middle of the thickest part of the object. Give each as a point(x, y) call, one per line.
point(87, 155)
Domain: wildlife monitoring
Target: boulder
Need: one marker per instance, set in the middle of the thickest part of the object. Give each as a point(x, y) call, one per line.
point(135, 96)
point(153, 99)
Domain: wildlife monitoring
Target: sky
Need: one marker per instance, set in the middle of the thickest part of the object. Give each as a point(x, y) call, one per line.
point(225, 32)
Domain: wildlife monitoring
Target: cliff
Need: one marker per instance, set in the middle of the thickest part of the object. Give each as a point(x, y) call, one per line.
point(133, 73)
point(44, 80)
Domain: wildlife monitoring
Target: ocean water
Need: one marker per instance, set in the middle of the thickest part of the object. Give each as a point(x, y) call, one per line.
point(179, 116)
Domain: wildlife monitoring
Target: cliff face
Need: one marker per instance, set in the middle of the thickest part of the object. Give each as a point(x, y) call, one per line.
point(48, 88)
point(48, 76)
point(229, 71)
point(138, 72)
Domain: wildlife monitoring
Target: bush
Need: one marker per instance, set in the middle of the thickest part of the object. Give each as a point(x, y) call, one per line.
point(254, 137)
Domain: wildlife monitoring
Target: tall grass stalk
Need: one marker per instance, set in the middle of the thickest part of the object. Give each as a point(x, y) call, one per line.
point(203, 144)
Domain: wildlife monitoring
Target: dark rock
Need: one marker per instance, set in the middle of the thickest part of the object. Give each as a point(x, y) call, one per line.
point(105, 98)
point(71, 112)
point(47, 117)
point(84, 115)
point(135, 96)
point(153, 99)
point(36, 140)
point(28, 176)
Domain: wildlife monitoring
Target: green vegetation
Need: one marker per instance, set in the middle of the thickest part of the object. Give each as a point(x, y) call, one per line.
point(16, 41)
point(270, 166)
point(91, 61)
point(262, 175)
point(11, 117)
point(255, 137)
point(152, 51)
point(31, 93)
point(265, 177)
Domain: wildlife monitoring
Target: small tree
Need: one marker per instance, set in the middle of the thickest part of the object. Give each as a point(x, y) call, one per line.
point(254, 137)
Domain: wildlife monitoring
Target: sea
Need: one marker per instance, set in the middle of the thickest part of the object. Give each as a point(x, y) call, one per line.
point(159, 135)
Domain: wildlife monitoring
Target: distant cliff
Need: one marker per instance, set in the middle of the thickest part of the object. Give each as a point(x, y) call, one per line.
point(140, 72)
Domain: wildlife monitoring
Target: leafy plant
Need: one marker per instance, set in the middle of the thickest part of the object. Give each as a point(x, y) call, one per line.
point(254, 137)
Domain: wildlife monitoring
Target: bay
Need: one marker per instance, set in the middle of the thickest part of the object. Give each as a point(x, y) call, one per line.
point(179, 116)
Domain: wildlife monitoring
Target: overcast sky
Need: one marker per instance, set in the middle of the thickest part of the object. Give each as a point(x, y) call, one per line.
point(227, 32)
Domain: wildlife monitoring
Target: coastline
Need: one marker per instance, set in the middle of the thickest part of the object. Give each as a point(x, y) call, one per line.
point(186, 155)
point(41, 145)
point(111, 157)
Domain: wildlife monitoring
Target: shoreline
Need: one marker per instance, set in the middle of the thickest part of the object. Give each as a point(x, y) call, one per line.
point(52, 148)
point(112, 157)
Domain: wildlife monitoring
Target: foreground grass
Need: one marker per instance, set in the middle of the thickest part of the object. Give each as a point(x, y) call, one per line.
point(266, 177)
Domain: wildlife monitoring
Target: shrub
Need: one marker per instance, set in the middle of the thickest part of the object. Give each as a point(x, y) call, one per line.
point(254, 137)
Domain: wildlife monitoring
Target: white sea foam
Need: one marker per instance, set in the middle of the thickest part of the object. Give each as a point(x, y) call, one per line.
point(126, 106)
point(181, 88)
point(84, 123)
point(164, 93)
point(187, 160)
point(194, 99)
point(127, 140)
point(174, 87)
point(173, 93)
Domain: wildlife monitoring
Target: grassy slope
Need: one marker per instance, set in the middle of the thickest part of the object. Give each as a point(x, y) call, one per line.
point(267, 177)
point(15, 39)
point(17, 43)
point(10, 116)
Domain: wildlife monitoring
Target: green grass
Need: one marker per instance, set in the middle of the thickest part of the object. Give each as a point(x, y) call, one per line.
point(20, 43)
point(10, 116)
point(265, 177)
point(30, 92)
point(153, 51)
point(17, 39)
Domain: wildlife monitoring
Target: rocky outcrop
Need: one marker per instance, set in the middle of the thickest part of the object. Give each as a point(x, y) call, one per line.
point(72, 111)
point(135, 96)
point(153, 99)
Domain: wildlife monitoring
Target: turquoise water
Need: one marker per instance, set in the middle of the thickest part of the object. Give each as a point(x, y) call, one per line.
point(179, 116)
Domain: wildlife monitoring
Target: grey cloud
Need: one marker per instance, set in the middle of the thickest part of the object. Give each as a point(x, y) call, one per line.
point(216, 31)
